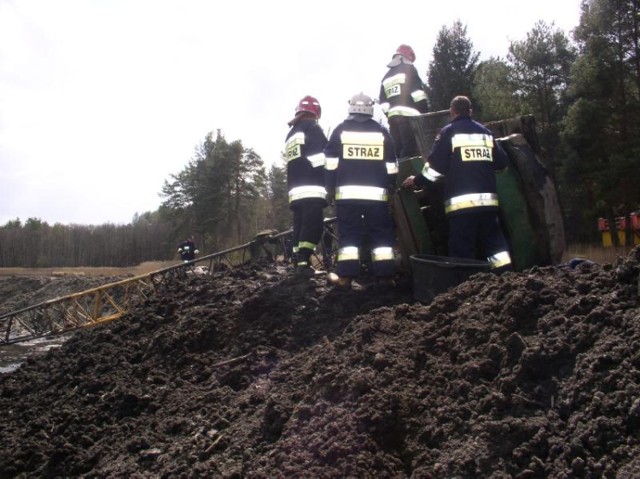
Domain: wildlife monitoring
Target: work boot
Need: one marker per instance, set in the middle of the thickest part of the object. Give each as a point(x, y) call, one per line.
point(336, 280)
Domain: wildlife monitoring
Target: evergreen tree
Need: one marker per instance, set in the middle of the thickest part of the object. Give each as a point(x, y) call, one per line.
point(248, 179)
point(452, 69)
point(278, 198)
point(601, 130)
point(539, 68)
point(217, 193)
point(539, 72)
point(492, 92)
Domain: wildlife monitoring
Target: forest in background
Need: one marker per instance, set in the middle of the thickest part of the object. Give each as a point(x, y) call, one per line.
point(583, 88)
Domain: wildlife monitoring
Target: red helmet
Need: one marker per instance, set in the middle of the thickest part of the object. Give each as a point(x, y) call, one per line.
point(407, 52)
point(310, 104)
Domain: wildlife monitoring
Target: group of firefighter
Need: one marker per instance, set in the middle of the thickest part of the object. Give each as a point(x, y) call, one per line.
point(355, 169)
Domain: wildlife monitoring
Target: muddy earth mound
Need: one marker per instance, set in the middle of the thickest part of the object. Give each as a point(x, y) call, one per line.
point(18, 292)
point(251, 373)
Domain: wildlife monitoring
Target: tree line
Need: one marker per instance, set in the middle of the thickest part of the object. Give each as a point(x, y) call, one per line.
point(36, 244)
point(583, 89)
point(223, 197)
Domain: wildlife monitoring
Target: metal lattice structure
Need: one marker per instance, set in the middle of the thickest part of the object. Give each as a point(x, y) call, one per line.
point(111, 301)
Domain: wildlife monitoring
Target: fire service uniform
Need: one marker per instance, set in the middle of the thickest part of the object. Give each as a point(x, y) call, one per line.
point(303, 152)
point(361, 172)
point(466, 156)
point(187, 250)
point(402, 94)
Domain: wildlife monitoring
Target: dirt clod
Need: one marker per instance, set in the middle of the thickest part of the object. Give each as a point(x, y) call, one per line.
point(256, 373)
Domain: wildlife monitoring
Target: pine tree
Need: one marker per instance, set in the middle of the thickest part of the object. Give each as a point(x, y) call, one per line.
point(452, 69)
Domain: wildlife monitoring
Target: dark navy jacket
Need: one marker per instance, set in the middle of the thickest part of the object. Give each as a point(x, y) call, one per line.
point(402, 92)
point(468, 156)
point(187, 250)
point(360, 161)
point(304, 155)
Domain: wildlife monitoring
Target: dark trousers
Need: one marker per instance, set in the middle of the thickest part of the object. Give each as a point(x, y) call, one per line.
point(364, 226)
point(308, 224)
point(403, 137)
point(472, 231)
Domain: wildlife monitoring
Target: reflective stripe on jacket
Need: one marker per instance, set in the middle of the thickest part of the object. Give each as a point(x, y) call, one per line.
point(307, 191)
point(467, 156)
point(402, 92)
point(303, 152)
point(360, 161)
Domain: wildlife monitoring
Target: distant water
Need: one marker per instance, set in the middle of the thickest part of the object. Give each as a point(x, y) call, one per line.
point(13, 355)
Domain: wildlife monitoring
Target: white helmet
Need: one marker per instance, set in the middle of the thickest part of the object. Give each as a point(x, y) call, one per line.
point(362, 104)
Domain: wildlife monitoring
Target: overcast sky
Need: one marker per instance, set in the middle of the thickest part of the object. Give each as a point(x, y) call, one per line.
point(102, 100)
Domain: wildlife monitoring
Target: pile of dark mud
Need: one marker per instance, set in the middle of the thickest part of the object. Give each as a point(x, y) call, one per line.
point(253, 374)
point(18, 292)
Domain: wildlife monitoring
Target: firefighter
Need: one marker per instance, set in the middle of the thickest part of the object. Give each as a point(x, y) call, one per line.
point(303, 153)
point(466, 157)
point(402, 94)
point(187, 249)
point(361, 171)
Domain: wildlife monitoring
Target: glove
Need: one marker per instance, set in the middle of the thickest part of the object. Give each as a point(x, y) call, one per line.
point(409, 182)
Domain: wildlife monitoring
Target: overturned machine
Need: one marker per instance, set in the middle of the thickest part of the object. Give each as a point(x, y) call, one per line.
point(530, 212)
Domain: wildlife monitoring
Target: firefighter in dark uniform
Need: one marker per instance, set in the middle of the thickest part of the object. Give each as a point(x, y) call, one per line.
point(361, 171)
point(466, 157)
point(187, 250)
point(402, 94)
point(303, 152)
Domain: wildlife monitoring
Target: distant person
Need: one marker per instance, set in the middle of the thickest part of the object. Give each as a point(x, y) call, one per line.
point(187, 249)
point(303, 152)
point(361, 172)
point(466, 157)
point(402, 94)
